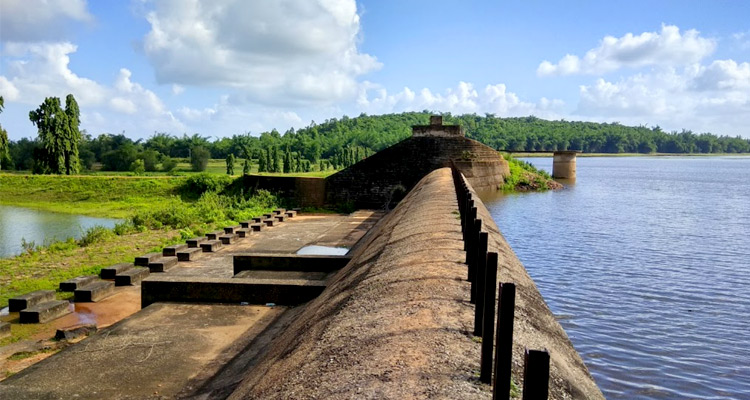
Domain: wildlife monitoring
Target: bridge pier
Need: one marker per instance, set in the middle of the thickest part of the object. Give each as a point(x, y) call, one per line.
point(564, 164)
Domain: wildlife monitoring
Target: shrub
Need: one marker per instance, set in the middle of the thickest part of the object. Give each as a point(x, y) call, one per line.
point(138, 167)
point(150, 159)
point(95, 234)
point(168, 164)
point(199, 158)
point(198, 184)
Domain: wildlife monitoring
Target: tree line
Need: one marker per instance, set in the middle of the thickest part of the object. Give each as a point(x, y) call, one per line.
point(334, 143)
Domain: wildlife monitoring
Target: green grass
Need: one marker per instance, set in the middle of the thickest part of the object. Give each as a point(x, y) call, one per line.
point(524, 176)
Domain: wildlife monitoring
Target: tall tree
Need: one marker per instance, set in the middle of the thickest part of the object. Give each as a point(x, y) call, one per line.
point(246, 167)
point(230, 164)
point(4, 143)
point(58, 134)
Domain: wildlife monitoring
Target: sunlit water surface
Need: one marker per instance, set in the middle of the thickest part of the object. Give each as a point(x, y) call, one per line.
point(18, 224)
point(645, 262)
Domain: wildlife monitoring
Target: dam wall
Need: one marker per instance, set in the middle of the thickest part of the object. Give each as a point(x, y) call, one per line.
point(396, 321)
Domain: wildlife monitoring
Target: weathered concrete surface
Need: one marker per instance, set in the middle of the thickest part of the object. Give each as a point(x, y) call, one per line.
point(112, 271)
point(153, 354)
point(94, 291)
point(564, 164)
point(396, 322)
point(44, 312)
point(288, 262)
point(74, 283)
point(131, 277)
point(196, 289)
point(27, 300)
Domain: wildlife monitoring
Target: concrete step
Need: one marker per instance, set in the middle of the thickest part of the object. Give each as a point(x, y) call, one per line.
point(269, 215)
point(291, 214)
point(131, 277)
point(189, 254)
point(4, 329)
point(146, 259)
point(162, 264)
point(214, 235)
point(111, 272)
point(45, 312)
point(72, 284)
point(279, 211)
point(231, 229)
point(171, 251)
point(246, 224)
point(195, 242)
point(280, 218)
point(210, 246)
point(269, 222)
point(244, 232)
point(257, 220)
point(228, 239)
point(94, 292)
point(256, 227)
point(297, 210)
point(28, 300)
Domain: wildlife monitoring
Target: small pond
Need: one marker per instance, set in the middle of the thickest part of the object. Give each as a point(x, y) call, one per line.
point(18, 224)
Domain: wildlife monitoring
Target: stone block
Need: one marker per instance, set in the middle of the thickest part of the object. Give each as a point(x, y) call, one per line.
point(94, 292)
point(189, 254)
point(244, 232)
point(279, 211)
point(257, 220)
point(72, 284)
point(162, 264)
point(256, 227)
point(279, 218)
point(111, 272)
point(28, 300)
point(228, 239)
point(211, 246)
point(171, 251)
point(195, 242)
point(269, 222)
point(269, 215)
point(145, 259)
point(132, 276)
point(231, 229)
point(214, 235)
point(45, 312)
point(4, 329)
point(246, 224)
point(75, 332)
point(291, 214)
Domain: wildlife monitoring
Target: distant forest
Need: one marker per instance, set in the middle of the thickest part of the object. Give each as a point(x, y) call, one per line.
point(345, 140)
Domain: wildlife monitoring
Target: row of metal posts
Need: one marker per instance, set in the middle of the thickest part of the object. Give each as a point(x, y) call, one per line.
point(482, 273)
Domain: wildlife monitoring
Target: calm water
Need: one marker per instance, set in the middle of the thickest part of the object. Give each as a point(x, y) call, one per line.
point(41, 227)
point(645, 262)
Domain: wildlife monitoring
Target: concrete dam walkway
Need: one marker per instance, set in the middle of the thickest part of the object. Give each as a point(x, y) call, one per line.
point(394, 322)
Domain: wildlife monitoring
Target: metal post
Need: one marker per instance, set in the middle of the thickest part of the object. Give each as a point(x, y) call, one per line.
point(504, 346)
point(477, 284)
point(535, 375)
point(488, 320)
point(471, 249)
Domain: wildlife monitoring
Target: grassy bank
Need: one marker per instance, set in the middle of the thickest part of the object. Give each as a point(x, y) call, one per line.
point(524, 177)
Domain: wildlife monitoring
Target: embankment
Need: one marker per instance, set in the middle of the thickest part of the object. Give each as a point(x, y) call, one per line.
point(396, 321)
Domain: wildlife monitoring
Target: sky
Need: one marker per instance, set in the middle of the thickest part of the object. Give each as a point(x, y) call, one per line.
point(226, 67)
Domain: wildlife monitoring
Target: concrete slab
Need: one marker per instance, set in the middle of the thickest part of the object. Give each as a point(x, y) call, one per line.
point(94, 292)
point(189, 254)
point(132, 276)
point(171, 251)
point(195, 289)
point(162, 264)
point(211, 246)
point(256, 227)
point(44, 312)
point(214, 235)
point(145, 259)
point(72, 284)
point(228, 239)
point(231, 229)
point(28, 300)
point(244, 232)
point(257, 220)
point(280, 217)
point(263, 274)
point(269, 221)
point(279, 211)
point(290, 214)
point(269, 215)
point(157, 353)
point(288, 262)
point(195, 242)
point(111, 272)
point(246, 224)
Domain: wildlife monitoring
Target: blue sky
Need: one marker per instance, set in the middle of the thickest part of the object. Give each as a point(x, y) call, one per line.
point(225, 67)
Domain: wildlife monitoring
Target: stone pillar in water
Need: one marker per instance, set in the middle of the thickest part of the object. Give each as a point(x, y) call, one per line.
point(564, 165)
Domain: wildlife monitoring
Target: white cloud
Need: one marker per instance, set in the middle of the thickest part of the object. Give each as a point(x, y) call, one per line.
point(666, 48)
point(713, 98)
point(277, 52)
point(32, 20)
point(464, 98)
point(178, 89)
point(38, 70)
